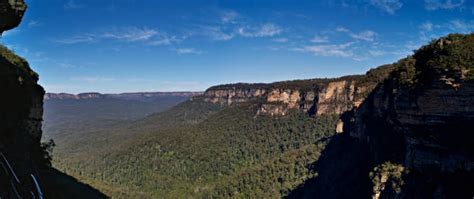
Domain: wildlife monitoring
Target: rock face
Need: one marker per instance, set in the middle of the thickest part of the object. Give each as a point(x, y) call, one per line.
point(238, 93)
point(21, 104)
point(21, 111)
point(411, 137)
point(424, 122)
point(322, 96)
point(11, 12)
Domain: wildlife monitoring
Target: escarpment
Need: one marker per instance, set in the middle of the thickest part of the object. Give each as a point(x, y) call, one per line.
point(422, 119)
point(405, 129)
point(314, 97)
point(414, 131)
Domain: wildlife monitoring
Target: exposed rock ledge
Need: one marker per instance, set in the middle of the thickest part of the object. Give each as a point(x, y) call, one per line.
point(314, 97)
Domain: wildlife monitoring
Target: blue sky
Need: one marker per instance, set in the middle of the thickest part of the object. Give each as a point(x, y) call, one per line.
point(117, 46)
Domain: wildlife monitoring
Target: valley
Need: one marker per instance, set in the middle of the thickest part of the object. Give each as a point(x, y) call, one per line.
point(400, 130)
point(260, 140)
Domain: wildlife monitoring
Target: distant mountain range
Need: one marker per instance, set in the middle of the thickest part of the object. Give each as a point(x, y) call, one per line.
point(68, 113)
point(125, 96)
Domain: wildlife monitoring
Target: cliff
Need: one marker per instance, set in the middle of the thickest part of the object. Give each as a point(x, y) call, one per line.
point(26, 168)
point(405, 129)
point(422, 119)
point(314, 97)
point(411, 137)
point(20, 106)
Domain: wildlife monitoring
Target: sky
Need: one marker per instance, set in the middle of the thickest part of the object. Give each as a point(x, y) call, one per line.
point(114, 46)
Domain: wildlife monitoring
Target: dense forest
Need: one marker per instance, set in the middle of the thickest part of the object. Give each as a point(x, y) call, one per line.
point(203, 151)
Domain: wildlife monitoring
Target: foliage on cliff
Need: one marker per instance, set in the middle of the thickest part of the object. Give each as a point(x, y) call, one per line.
point(18, 61)
point(388, 177)
point(451, 57)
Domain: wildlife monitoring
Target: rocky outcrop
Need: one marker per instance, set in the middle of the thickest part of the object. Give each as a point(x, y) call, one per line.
point(424, 122)
point(11, 12)
point(238, 93)
point(314, 97)
point(414, 131)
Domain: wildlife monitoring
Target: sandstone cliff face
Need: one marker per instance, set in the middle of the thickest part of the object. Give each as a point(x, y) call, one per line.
point(325, 97)
point(411, 137)
point(425, 127)
point(232, 94)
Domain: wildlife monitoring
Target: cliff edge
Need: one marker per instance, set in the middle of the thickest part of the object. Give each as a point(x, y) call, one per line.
point(26, 163)
point(412, 135)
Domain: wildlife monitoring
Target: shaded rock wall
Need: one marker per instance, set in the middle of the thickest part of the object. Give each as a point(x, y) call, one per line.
point(412, 135)
point(11, 12)
point(21, 111)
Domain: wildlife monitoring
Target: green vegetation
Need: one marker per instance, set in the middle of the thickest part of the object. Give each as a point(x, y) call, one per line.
point(451, 57)
point(63, 117)
point(200, 150)
point(388, 173)
point(18, 61)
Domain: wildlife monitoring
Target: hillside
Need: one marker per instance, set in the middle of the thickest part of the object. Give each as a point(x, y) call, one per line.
point(301, 138)
point(175, 152)
point(68, 114)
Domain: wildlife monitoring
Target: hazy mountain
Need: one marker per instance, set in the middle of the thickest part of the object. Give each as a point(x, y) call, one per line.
point(67, 113)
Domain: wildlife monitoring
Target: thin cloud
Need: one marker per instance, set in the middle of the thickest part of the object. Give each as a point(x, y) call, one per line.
point(164, 40)
point(388, 6)
point(339, 50)
point(320, 39)
point(441, 4)
point(72, 5)
point(229, 17)
point(427, 26)
point(92, 79)
point(183, 51)
point(130, 34)
point(342, 29)
point(217, 33)
point(367, 35)
point(265, 30)
point(10, 33)
point(33, 24)
point(67, 65)
point(281, 40)
point(461, 26)
point(377, 53)
point(88, 38)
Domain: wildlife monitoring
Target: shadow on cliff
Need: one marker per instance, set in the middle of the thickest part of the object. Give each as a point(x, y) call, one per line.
point(20, 134)
point(56, 184)
point(345, 163)
point(342, 172)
